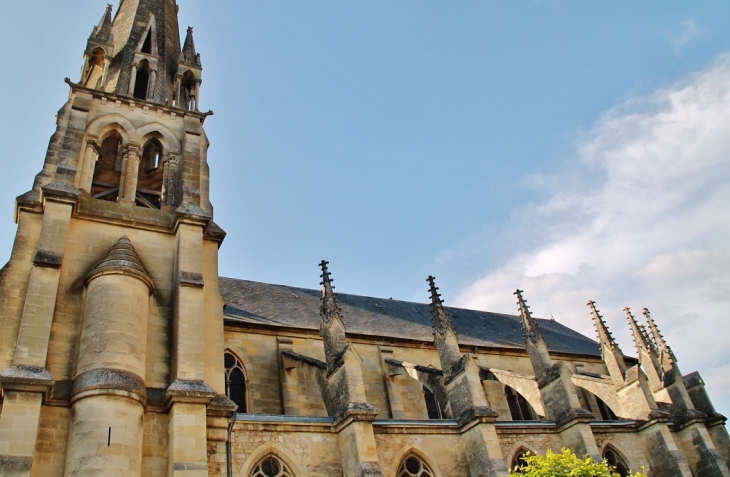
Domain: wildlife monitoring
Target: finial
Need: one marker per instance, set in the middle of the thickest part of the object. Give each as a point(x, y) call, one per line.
point(329, 308)
point(659, 340)
point(529, 328)
point(640, 340)
point(604, 335)
point(441, 321)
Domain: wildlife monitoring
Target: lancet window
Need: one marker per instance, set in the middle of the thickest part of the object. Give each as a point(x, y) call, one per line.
point(236, 385)
point(271, 466)
point(519, 408)
point(151, 175)
point(432, 406)
point(414, 466)
point(107, 172)
point(615, 461)
point(519, 460)
point(188, 100)
point(142, 80)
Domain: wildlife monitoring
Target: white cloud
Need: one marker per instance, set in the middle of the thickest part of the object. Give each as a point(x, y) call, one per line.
point(688, 30)
point(642, 218)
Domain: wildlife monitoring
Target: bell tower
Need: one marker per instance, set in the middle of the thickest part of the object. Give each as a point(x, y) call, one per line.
point(110, 312)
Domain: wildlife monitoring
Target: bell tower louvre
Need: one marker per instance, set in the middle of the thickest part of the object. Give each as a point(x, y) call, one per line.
point(122, 351)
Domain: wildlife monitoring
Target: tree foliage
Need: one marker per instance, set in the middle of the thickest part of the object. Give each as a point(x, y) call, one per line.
point(563, 464)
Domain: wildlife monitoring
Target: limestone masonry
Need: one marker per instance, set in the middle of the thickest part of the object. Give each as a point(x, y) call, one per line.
point(123, 353)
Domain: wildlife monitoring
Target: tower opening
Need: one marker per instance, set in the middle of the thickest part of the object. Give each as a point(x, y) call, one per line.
point(147, 45)
point(150, 176)
point(142, 80)
point(95, 69)
point(107, 173)
point(188, 101)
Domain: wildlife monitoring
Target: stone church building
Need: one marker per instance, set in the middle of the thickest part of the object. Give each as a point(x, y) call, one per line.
point(123, 353)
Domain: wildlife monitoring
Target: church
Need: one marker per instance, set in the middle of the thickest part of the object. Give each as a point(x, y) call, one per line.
point(124, 353)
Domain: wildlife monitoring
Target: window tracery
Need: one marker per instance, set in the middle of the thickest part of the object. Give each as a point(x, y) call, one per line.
point(235, 382)
point(414, 466)
point(519, 408)
point(519, 460)
point(271, 466)
point(615, 461)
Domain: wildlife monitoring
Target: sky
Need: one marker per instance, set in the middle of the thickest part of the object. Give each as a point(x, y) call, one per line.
point(575, 150)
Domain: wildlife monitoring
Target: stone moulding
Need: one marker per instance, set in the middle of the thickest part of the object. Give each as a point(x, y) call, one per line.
point(44, 258)
point(26, 378)
point(111, 382)
point(15, 465)
point(190, 391)
point(191, 279)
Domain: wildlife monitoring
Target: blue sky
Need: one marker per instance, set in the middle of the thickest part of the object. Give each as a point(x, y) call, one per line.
point(576, 150)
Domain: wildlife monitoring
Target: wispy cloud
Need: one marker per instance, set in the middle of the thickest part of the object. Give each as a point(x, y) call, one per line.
point(688, 30)
point(642, 218)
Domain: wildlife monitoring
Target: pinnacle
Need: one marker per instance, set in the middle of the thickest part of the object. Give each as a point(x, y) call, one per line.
point(122, 258)
point(441, 321)
point(659, 340)
point(189, 55)
point(329, 307)
point(604, 335)
point(529, 328)
point(102, 32)
point(639, 340)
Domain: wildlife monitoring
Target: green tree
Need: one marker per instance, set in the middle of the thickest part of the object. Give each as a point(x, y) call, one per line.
point(564, 464)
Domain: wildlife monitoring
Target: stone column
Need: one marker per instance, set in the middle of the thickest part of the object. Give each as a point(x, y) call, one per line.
point(91, 155)
point(198, 82)
point(27, 381)
point(188, 395)
point(132, 79)
point(106, 72)
point(151, 86)
point(130, 171)
point(172, 181)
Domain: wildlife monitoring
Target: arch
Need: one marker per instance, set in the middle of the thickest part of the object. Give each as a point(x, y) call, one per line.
point(150, 175)
point(517, 456)
point(526, 386)
point(169, 140)
point(432, 406)
point(413, 450)
point(519, 408)
point(413, 465)
point(616, 459)
point(142, 80)
point(270, 448)
point(102, 125)
point(107, 170)
point(188, 99)
point(236, 380)
point(605, 392)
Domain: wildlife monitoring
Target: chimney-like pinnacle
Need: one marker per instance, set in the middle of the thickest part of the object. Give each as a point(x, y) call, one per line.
point(604, 335)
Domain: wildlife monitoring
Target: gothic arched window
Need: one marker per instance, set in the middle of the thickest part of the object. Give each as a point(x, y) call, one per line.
point(271, 466)
point(236, 382)
point(105, 184)
point(519, 408)
point(142, 80)
point(150, 176)
point(187, 91)
point(432, 406)
point(414, 466)
point(615, 461)
point(519, 460)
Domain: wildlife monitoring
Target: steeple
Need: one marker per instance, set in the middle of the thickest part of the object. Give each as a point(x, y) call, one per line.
point(612, 355)
point(537, 348)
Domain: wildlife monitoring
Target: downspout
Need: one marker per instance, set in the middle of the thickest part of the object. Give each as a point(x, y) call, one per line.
point(229, 462)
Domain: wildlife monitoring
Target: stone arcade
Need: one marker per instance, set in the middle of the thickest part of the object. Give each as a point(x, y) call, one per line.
point(122, 352)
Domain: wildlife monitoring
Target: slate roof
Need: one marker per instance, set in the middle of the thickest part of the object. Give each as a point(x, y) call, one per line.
point(292, 307)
